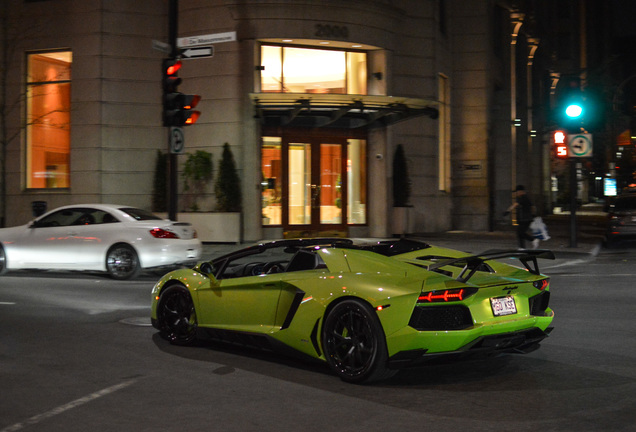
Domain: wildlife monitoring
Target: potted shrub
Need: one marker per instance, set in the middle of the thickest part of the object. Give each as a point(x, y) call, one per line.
point(228, 185)
point(224, 225)
point(197, 173)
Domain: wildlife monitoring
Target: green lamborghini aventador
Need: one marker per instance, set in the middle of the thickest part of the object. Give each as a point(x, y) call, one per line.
point(367, 309)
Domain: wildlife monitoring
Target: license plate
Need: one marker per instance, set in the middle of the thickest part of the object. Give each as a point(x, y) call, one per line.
point(503, 306)
point(192, 253)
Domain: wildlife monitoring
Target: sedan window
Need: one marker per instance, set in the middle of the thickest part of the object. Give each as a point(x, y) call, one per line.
point(64, 217)
point(139, 214)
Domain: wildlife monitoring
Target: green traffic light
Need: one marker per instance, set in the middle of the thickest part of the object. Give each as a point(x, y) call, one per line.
point(574, 111)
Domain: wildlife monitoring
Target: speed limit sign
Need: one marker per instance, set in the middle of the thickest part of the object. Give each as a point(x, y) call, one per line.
point(177, 140)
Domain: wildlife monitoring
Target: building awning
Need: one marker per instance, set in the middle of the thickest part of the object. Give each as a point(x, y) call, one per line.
point(337, 111)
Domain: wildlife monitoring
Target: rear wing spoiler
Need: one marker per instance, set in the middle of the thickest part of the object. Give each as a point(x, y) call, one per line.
point(472, 263)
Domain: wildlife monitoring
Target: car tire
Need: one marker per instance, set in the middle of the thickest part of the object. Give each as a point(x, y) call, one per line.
point(3, 261)
point(354, 343)
point(122, 262)
point(176, 316)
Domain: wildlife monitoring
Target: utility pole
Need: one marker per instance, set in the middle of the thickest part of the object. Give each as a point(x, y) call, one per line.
point(173, 167)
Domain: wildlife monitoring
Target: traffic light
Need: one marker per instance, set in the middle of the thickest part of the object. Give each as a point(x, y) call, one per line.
point(177, 107)
point(574, 110)
point(577, 107)
point(559, 139)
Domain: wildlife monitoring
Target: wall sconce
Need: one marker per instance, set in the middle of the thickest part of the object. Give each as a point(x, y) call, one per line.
point(377, 75)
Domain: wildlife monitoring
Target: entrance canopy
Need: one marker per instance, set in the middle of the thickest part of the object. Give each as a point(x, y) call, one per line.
point(337, 111)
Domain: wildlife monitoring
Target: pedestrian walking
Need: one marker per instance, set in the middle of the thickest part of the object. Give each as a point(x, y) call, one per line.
point(525, 214)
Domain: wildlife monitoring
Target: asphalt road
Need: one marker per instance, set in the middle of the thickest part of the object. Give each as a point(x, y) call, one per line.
point(77, 353)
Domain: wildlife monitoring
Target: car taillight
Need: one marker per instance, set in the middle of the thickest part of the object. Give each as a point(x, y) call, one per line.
point(541, 284)
point(449, 295)
point(163, 234)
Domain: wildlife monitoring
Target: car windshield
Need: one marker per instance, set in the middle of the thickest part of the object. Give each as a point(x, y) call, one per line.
point(139, 214)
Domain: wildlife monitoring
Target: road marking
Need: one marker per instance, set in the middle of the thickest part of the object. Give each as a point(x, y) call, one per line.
point(63, 408)
point(7, 303)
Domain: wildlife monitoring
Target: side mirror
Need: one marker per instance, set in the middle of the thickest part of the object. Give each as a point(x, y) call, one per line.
point(207, 268)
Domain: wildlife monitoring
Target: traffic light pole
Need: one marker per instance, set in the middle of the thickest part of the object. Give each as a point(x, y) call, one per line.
point(173, 192)
point(573, 192)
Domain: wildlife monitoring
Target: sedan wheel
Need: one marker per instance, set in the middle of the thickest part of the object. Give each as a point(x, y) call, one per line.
point(354, 343)
point(176, 316)
point(3, 261)
point(122, 262)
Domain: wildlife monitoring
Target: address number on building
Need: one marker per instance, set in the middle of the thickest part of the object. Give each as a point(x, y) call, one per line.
point(329, 31)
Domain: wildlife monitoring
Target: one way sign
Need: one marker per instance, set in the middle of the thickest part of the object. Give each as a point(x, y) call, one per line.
point(197, 52)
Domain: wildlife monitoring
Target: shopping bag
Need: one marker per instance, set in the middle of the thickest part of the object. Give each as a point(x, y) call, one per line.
point(539, 229)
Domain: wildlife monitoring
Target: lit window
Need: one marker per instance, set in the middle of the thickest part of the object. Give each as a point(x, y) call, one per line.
point(271, 186)
point(305, 70)
point(444, 169)
point(357, 181)
point(48, 118)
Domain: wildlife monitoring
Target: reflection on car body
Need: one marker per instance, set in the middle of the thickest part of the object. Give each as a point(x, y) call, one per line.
point(120, 240)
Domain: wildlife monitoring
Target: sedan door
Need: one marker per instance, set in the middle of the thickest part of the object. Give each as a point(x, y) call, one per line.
point(46, 243)
point(64, 239)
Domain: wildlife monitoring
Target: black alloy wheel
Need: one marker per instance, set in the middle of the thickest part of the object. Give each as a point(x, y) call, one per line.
point(176, 316)
point(122, 262)
point(354, 343)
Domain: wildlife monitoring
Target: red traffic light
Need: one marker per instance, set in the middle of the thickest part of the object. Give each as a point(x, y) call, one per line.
point(171, 67)
point(192, 119)
point(177, 107)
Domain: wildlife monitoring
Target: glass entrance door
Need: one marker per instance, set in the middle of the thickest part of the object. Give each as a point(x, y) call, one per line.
point(315, 186)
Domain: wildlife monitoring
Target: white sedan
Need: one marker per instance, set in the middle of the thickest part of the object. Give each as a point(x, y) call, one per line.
point(120, 240)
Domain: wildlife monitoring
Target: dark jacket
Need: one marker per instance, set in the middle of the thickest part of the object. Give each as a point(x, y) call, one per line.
point(524, 209)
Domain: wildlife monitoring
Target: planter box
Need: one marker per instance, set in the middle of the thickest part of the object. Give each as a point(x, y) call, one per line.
point(213, 227)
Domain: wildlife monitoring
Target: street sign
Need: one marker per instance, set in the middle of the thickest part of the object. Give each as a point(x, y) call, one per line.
point(198, 52)
point(177, 140)
point(208, 39)
point(161, 46)
point(580, 145)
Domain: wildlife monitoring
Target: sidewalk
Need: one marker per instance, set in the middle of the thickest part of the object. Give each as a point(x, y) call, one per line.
point(589, 237)
point(590, 231)
point(476, 242)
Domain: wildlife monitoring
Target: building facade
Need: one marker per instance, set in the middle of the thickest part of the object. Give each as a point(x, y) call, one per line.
point(312, 97)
